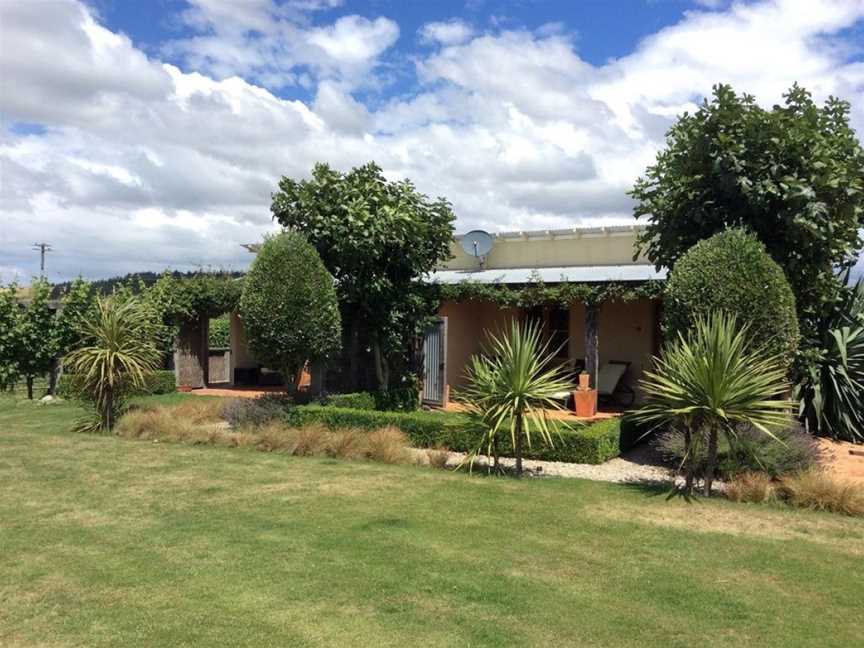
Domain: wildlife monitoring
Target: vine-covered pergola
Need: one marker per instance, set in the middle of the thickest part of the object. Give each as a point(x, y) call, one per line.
point(564, 294)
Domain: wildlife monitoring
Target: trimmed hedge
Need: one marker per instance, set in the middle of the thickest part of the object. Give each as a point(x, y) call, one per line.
point(732, 272)
point(159, 382)
point(355, 400)
point(591, 443)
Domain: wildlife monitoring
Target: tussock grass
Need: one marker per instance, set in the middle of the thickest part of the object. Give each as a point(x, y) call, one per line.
point(437, 457)
point(818, 490)
point(199, 423)
point(750, 487)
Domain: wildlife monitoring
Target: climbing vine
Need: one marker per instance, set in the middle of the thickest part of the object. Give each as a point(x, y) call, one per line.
point(538, 293)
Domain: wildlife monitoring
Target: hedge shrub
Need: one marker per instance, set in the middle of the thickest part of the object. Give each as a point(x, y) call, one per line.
point(732, 272)
point(159, 382)
point(355, 400)
point(591, 443)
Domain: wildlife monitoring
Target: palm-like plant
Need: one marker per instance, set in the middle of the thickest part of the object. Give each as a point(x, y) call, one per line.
point(712, 382)
point(511, 388)
point(831, 389)
point(120, 353)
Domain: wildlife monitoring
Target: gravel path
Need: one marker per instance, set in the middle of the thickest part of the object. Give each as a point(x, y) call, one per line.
point(637, 466)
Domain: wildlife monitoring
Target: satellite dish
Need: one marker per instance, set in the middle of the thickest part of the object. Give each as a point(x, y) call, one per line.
point(477, 243)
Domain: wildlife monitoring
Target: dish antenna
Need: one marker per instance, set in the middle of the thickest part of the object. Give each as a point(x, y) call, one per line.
point(478, 244)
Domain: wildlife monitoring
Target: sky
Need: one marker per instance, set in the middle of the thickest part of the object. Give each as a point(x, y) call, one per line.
point(141, 136)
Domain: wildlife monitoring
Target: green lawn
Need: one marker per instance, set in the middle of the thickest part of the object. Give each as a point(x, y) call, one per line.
point(111, 542)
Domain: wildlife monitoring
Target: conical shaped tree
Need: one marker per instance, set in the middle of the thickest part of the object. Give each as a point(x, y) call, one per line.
point(289, 307)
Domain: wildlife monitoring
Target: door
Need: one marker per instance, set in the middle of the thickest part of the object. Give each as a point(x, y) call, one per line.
point(435, 363)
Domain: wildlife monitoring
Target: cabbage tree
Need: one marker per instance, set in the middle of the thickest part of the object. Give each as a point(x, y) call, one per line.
point(512, 387)
point(712, 381)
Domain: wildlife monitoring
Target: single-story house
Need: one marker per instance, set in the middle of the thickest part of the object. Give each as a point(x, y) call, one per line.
point(620, 321)
point(581, 284)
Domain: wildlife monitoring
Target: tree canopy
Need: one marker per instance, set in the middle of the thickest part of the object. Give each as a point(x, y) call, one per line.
point(289, 307)
point(378, 238)
point(793, 175)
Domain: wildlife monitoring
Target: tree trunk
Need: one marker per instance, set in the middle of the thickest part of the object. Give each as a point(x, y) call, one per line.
point(53, 376)
point(354, 359)
point(382, 371)
point(518, 447)
point(690, 462)
point(592, 341)
point(30, 387)
point(711, 461)
point(108, 412)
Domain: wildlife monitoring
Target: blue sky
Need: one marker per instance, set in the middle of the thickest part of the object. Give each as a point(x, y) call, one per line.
point(144, 135)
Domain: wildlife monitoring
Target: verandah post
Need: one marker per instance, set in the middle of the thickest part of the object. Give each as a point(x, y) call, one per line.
point(592, 343)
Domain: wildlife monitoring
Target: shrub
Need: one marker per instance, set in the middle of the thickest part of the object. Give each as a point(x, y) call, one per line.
point(289, 307)
point(831, 386)
point(815, 489)
point(241, 412)
point(732, 272)
point(753, 487)
point(219, 332)
point(397, 399)
point(750, 451)
point(356, 400)
point(591, 443)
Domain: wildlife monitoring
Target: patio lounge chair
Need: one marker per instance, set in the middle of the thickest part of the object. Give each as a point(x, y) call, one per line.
point(610, 384)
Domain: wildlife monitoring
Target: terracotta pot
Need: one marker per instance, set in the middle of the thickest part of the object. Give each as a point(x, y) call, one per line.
point(185, 388)
point(585, 401)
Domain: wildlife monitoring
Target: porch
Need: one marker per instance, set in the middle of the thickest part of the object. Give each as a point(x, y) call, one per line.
point(606, 412)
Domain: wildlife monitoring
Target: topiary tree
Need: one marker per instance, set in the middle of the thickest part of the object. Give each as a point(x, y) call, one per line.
point(731, 272)
point(289, 307)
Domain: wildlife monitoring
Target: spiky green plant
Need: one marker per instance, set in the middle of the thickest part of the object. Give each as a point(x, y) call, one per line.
point(512, 386)
point(831, 388)
point(710, 381)
point(120, 354)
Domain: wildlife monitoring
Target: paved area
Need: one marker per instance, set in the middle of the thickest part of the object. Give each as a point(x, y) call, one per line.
point(845, 460)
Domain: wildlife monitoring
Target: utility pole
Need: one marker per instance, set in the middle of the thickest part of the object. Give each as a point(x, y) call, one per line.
point(43, 248)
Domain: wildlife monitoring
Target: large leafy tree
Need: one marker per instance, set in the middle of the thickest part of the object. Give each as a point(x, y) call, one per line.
point(793, 175)
point(378, 238)
point(289, 307)
point(36, 335)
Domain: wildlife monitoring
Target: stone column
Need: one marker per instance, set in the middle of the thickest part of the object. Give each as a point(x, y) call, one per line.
point(191, 354)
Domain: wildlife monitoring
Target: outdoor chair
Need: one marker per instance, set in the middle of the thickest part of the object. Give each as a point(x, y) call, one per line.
point(611, 386)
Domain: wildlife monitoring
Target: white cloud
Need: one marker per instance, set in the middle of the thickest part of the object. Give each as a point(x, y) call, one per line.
point(451, 32)
point(144, 165)
point(272, 43)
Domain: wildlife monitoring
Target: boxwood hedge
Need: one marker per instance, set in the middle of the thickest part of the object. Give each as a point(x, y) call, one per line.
point(591, 443)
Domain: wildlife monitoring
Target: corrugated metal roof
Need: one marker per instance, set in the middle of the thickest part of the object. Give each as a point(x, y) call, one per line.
point(576, 274)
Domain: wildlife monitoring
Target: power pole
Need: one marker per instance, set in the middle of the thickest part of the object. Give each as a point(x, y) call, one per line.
point(43, 248)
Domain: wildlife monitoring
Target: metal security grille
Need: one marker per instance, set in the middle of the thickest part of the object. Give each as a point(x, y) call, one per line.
point(433, 364)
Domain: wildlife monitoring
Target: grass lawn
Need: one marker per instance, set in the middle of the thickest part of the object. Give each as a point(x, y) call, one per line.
point(113, 542)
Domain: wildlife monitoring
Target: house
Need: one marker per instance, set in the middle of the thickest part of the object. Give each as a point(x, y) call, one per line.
point(596, 265)
point(582, 285)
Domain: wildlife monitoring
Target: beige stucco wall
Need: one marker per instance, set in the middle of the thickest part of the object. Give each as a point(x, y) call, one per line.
point(467, 326)
point(594, 248)
point(627, 333)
